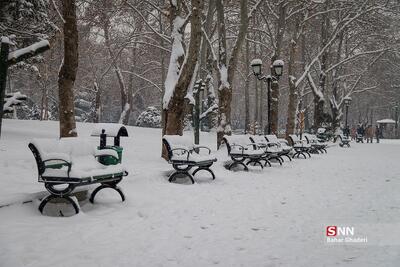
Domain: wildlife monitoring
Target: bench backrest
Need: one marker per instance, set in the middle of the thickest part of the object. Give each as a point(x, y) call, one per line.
point(38, 158)
point(311, 138)
point(63, 149)
point(259, 139)
point(177, 141)
point(272, 138)
point(295, 139)
point(232, 140)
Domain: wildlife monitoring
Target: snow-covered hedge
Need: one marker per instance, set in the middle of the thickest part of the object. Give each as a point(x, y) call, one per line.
point(151, 117)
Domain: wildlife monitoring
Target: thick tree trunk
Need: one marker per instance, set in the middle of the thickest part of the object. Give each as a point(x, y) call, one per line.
point(224, 88)
point(274, 120)
point(227, 72)
point(319, 102)
point(175, 111)
point(291, 112)
point(335, 109)
point(68, 71)
point(246, 92)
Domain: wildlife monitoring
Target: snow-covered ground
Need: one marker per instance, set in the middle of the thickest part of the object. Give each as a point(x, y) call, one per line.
point(274, 217)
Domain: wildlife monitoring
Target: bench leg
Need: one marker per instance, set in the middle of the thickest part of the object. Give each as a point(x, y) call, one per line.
point(286, 155)
point(50, 197)
point(236, 163)
point(205, 169)
point(172, 177)
point(267, 162)
point(298, 154)
point(106, 185)
point(256, 162)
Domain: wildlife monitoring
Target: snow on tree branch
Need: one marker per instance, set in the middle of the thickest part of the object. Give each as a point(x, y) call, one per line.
point(174, 65)
point(11, 100)
point(27, 52)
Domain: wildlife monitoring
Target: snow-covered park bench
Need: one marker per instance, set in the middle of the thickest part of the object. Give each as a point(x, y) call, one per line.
point(344, 140)
point(300, 146)
point(240, 149)
point(184, 155)
point(272, 150)
point(317, 146)
point(283, 144)
point(68, 163)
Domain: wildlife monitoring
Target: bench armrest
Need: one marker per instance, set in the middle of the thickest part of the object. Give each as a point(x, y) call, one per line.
point(69, 164)
point(182, 149)
point(257, 145)
point(106, 152)
point(203, 147)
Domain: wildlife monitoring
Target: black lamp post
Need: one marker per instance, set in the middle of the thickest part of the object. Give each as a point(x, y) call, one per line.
point(198, 88)
point(276, 72)
point(347, 102)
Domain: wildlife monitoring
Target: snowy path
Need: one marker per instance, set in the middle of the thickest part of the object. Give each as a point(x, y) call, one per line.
point(275, 217)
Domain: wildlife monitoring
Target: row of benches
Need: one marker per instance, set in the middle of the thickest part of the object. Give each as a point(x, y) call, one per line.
point(244, 150)
point(68, 163)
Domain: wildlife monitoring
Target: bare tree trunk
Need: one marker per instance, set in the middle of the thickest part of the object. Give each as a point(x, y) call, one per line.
point(224, 89)
point(68, 71)
point(246, 91)
point(174, 112)
point(291, 112)
point(227, 73)
point(274, 120)
point(319, 102)
point(125, 98)
point(98, 108)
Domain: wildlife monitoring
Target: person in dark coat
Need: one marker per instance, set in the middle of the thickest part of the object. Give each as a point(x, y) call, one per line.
point(377, 133)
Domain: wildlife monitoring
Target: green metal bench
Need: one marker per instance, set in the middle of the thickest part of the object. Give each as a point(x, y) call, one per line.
point(69, 163)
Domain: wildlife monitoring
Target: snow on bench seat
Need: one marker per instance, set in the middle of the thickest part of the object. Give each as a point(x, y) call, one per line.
point(77, 152)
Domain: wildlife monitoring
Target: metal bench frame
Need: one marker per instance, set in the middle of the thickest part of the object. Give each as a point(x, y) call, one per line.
point(182, 167)
point(316, 147)
point(283, 153)
point(300, 150)
point(106, 181)
point(240, 158)
point(268, 156)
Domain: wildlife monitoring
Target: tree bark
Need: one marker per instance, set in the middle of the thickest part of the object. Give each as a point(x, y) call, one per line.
point(274, 120)
point(175, 111)
point(246, 91)
point(228, 71)
point(68, 71)
point(319, 102)
point(291, 112)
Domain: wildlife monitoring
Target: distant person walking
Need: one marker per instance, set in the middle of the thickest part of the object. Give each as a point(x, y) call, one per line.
point(353, 133)
point(377, 133)
point(369, 134)
point(360, 133)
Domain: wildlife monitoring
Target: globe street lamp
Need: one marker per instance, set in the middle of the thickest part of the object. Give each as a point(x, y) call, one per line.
point(347, 102)
point(276, 73)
